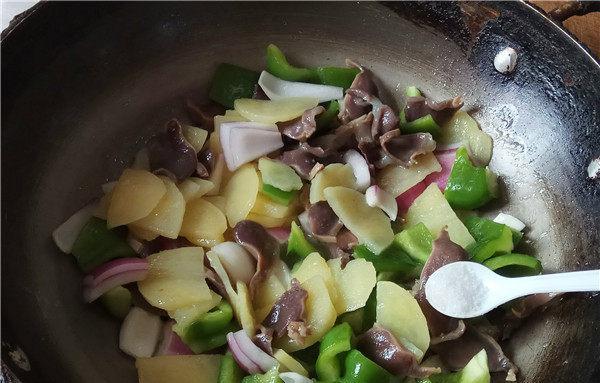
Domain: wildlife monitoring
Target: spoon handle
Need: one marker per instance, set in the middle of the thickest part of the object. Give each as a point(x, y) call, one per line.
point(554, 283)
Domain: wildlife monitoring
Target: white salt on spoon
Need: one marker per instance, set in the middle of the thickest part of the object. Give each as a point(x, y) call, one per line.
point(469, 289)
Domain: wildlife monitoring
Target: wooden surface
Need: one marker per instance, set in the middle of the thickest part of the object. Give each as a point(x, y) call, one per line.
point(585, 28)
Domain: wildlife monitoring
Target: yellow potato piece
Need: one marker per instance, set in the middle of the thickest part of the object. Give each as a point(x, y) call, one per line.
point(240, 194)
point(218, 201)
point(269, 222)
point(331, 175)
point(101, 209)
point(396, 179)
point(272, 111)
point(463, 129)
point(183, 316)
point(288, 363)
point(176, 279)
point(141, 233)
point(268, 293)
point(195, 136)
point(353, 283)
point(398, 311)
point(203, 223)
point(167, 216)
point(179, 369)
point(134, 196)
point(369, 224)
point(432, 208)
point(266, 206)
point(194, 187)
point(315, 265)
point(320, 315)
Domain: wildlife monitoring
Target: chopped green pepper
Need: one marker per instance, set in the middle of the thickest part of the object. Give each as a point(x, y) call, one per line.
point(491, 238)
point(425, 124)
point(271, 376)
point(476, 371)
point(298, 246)
point(360, 369)
point(416, 241)
point(333, 345)
point(117, 301)
point(209, 330)
point(370, 311)
point(96, 244)
point(278, 65)
point(326, 119)
point(469, 186)
point(412, 91)
point(514, 264)
point(229, 371)
point(278, 195)
point(337, 76)
point(353, 318)
point(391, 259)
point(231, 82)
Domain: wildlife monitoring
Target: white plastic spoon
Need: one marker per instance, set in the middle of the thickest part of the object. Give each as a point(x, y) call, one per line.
point(469, 289)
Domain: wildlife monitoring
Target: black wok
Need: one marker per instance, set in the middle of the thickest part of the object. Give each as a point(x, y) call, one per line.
point(84, 84)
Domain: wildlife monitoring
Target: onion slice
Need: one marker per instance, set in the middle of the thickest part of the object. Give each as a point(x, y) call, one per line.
point(377, 197)
point(242, 360)
point(171, 343)
point(510, 221)
point(245, 141)
point(237, 262)
point(360, 168)
point(139, 333)
point(276, 89)
point(263, 360)
point(114, 273)
point(406, 199)
point(446, 160)
point(294, 377)
point(65, 235)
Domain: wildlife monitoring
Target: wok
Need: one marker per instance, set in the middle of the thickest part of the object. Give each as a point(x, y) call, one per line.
point(85, 84)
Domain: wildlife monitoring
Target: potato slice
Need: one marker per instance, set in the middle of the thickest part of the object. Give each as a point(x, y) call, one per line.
point(195, 136)
point(240, 194)
point(141, 233)
point(320, 315)
point(432, 208)
point(266, 206)
point(397, 179)
point(176, 279)
point(398, 311)
point(101, 210)
point(315, 265)
point(134, 196)
point(463, 129)
point(369, 224)
point(353, 283)
point(179, 369)
point(272, 111)
point(217, 200)
point(268, 293)
point(331, 175)
point(288, 363)
point(270, 222)
point(203, 223)
point(167, 216)
point(185, 315)
point(194, 187)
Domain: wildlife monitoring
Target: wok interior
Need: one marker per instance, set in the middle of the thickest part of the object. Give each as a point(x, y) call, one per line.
point(112, 83)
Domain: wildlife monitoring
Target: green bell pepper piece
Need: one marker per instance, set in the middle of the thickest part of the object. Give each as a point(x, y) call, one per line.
point(209, 330)
point(353, 318)
point(360, 369)
point(231, 82)
point(491, 238)
point(298, 246)
point(271, 376)
point(370, 311)
point(476, 371)
point(516, 236)
point(416, 241)
point(117, 301)
point(469, 187)
point(337, 76)
point(514, 264)
point(278, 65)
point(326, 119)
point(392, 259)
point(96, 244)
point(333, 345)
point(412, 91)
point(280, 196)
point(425, 124)
point(229, 371)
